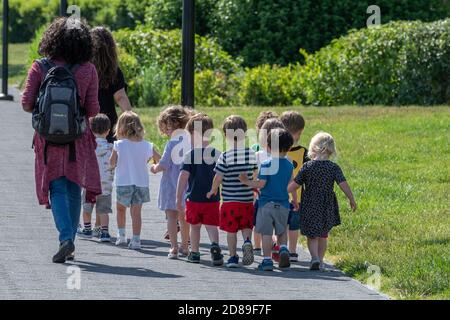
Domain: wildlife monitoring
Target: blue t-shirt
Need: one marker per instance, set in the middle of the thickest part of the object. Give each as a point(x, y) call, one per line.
point(277, 172)
point(200, 163)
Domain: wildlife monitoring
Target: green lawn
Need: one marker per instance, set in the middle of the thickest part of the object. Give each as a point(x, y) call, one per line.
point(397, 162)
point(18, 57)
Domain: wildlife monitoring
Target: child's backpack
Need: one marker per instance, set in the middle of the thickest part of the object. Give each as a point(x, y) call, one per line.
point(57, 115)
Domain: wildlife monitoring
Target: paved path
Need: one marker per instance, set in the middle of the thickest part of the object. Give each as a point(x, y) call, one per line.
point(28, 240)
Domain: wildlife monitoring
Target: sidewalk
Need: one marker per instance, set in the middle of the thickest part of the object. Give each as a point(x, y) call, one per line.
point(28, 240)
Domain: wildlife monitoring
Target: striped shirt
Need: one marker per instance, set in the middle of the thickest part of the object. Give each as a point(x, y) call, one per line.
point(229, 166)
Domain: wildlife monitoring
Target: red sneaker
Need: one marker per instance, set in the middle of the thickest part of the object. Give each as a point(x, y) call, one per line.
point(275, 252)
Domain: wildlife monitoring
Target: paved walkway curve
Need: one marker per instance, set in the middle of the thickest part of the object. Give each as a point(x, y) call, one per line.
point(28, 239)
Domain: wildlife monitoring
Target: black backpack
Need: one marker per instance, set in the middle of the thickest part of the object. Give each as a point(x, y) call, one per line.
point(57, 115)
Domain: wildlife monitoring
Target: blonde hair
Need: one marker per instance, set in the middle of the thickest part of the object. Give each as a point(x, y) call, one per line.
point(129, 126)
point(322, 146)
point(174, 117)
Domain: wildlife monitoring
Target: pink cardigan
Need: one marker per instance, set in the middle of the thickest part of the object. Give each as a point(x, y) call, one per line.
point(84, 171)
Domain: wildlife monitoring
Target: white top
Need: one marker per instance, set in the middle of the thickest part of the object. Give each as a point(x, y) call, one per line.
point(132, 163)
point(103, 153)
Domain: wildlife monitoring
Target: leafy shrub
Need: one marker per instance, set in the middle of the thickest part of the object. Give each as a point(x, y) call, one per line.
point(212, 88)
point(161, 49)
point(34, 45)
point(268, 86)
point(398, 63)
point(267, 31)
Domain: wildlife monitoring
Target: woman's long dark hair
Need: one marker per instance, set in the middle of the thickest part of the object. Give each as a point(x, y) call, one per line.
point(61, 41)
point(104, 56)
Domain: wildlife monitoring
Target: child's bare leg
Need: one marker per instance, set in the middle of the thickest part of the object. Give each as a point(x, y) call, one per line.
point(232, 243)
point(87, 217)
point(293, 240)
point(267, 246)
point(257, 239)
point(97, 220)
point(322, 248)
point(282, 238)
point(213, 233)
point(104, 219)
point(136, 219)
point(246, 234)
point(121, 216)
point(172, 228)
point(313, 247)
point(195, 237)
point(184, 230)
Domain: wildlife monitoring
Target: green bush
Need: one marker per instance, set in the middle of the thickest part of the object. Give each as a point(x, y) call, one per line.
point(34, 45)
point(267, 31)
point(161, 50)
point(212, 88)
point(398, 63)
point(268, 86)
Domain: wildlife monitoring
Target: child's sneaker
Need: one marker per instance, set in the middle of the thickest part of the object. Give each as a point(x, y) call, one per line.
point(85, 233)
point(257, 251)
point(233, 262)
point(97, 232)
point(266, 265)
point(284, 258)
point(105, 237)
point(173, 254)
point(216, 255)
point(194, 257)
point(248, 257)
point(293, 257)
point(121, 240)
point(275, 252)
point(315, 264)
point(183, 253)
point(134, 245)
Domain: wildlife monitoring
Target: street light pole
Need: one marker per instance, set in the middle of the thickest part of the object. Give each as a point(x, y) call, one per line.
point(63, 8)
point(188, 52)
point(4, 94)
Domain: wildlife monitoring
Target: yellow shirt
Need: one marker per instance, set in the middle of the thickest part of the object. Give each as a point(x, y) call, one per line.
point(298, 156)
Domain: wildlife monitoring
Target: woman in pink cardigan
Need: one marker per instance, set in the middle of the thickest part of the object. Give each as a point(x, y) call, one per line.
point(61, 177)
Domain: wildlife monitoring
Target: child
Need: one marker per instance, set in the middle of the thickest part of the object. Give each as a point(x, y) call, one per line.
point(198, 172)
point(261, 156)
point(262, 118)
point(100, 126)
point(130, 156)
point(295, 124)
point(320, 211)
point(236, 211)
point(273, 213)
point(171, 122)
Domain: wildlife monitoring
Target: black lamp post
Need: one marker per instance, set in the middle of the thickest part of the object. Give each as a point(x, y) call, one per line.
point(4, 94)
point(188, 52)
point(63, 8)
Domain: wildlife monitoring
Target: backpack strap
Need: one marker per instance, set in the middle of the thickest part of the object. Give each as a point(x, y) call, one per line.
point(45, 64)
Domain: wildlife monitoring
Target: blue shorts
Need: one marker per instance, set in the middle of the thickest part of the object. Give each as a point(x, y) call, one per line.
point(294, 219)
point(129, 195)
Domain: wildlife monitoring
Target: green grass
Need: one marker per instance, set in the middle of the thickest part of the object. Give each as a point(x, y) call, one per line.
point(397, 162)
point(18, 57)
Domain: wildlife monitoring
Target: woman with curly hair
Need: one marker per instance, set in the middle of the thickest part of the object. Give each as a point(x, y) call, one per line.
point(59, 174)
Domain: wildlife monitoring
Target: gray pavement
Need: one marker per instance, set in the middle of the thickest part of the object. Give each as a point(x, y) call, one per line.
point(28, 239)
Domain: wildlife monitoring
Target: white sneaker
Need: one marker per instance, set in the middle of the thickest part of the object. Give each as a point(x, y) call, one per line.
point(121, 240)
point(134, 245)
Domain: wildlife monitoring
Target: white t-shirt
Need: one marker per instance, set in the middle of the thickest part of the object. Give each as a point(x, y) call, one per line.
point(132, 164)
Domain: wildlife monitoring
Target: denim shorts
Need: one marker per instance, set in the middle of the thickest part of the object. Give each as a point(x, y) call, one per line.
point(130, 195)
point(294, 219)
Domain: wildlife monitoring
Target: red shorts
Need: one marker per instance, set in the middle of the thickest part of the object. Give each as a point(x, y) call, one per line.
point(235, 216)
point(202, 212)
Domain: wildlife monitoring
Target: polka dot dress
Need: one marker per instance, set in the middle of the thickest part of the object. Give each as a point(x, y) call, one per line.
point(319, 207)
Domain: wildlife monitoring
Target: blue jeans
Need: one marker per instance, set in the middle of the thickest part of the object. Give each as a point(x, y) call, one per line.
point(65, 198)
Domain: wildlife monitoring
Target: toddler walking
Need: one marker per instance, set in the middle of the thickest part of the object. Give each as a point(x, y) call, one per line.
point(130, 156)
point(320, 210)
point(171, 122)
